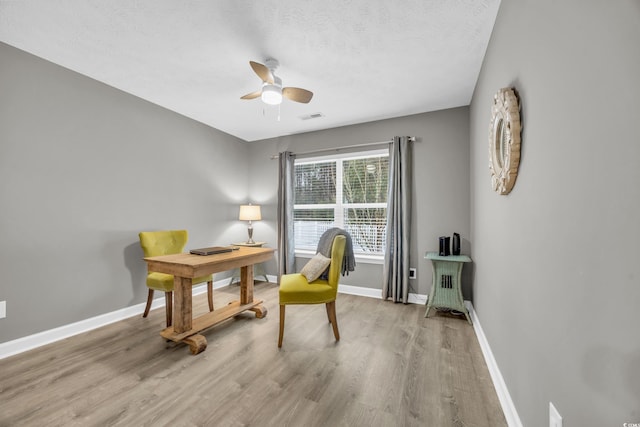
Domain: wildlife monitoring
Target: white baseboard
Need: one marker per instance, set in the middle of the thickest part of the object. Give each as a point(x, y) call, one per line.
point(357, 290)
point(509, 409)
point(377, 293)
point(30, 342)
point(418, 299)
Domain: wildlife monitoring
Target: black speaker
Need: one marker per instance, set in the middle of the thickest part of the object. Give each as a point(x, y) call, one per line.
point(444, 246)
point(455, 250)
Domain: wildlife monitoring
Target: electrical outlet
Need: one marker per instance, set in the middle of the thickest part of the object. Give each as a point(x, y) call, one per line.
point(555, 420)
point(3, 309)
point(413, 273)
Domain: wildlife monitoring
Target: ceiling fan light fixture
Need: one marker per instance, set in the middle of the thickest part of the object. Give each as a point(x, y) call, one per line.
point(271, 94)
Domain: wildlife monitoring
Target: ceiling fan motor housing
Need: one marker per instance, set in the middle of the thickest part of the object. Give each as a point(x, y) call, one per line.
point(271, 64)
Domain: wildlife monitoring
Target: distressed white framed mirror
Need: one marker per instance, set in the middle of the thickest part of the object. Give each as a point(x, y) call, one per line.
point(504, 140)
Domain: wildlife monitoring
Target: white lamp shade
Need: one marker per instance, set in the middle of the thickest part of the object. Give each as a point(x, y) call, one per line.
point(250, 213)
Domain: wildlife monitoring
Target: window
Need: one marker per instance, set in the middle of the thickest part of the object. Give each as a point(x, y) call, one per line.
point(347, 191)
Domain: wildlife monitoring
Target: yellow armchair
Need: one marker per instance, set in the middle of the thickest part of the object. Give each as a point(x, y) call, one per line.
point(295, 289)
point(156, 243)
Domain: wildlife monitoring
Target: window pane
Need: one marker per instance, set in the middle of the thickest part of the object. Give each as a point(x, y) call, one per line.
point(365, 180)
point(349, 192)
point(309, 224)
point(367, 227)
point(315, 183)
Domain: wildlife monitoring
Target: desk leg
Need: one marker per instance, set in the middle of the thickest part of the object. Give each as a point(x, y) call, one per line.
point(197, 343)
point(246, 284)
point(246, 291)
point(182, 318)
point(259, 310)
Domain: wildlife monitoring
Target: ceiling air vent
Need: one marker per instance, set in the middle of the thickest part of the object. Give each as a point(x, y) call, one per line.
point(312, 116)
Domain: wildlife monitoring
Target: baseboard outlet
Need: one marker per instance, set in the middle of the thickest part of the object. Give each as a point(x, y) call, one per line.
point(39, 339)
point(508, 408)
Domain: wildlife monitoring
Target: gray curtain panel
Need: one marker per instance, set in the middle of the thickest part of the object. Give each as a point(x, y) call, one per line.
point(396, 258)
point(286, 247)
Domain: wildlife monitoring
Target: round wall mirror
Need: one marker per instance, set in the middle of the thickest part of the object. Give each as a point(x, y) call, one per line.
point(504, 140)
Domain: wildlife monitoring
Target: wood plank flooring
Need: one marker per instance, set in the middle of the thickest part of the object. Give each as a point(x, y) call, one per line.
point(392, 367)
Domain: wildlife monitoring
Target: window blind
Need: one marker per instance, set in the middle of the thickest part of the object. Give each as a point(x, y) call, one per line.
point(349, 192)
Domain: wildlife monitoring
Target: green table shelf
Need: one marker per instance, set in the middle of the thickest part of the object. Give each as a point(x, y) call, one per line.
point(446, 289)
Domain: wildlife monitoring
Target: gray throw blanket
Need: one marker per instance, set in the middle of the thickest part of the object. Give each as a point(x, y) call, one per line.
point(324, 247)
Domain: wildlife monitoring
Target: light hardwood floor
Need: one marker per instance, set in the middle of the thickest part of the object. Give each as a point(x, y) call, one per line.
point(392, 367)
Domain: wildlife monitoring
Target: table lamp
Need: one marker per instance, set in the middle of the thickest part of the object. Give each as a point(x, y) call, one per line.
point(250, 213)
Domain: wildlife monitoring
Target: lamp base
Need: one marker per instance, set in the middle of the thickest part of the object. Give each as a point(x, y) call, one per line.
point(250, 231)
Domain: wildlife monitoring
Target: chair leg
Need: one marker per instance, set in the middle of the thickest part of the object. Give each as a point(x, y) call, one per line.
point(331, 309)
point(168, 302)
point(149, 301)
point(281, 326)
point(210, 294)
point(328, 313)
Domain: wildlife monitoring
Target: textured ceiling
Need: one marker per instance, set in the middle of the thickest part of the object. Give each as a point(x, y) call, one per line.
point(363, 59)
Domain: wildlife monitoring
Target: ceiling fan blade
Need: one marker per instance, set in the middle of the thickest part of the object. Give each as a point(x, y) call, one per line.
point(297, 94)
point(252, 95)
point(262, 72)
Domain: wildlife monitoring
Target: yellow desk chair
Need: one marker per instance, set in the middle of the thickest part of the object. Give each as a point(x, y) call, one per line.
point(155, 243)
point(295, 289)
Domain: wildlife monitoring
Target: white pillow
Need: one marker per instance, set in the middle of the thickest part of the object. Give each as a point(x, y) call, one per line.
point(314, 268)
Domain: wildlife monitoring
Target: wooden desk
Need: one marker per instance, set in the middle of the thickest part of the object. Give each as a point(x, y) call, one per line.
point(185, 267)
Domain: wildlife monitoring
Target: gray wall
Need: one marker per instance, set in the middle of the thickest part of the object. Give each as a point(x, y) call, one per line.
point(84, 168)
point(556, 261)
point(441, 184)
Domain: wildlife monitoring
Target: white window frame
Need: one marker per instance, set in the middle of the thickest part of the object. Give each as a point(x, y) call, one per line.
point(339, 212)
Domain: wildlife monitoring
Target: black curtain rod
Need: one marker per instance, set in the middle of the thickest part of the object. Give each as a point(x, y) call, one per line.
point(346, 147)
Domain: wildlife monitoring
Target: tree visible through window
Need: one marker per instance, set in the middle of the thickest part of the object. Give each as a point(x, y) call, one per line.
point(349, 192)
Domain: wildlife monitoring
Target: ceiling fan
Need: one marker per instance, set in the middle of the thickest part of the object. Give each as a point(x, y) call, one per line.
point(272, 91)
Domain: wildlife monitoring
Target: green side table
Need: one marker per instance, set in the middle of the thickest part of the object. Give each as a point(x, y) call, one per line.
point(446, 289)
point(258, 269)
